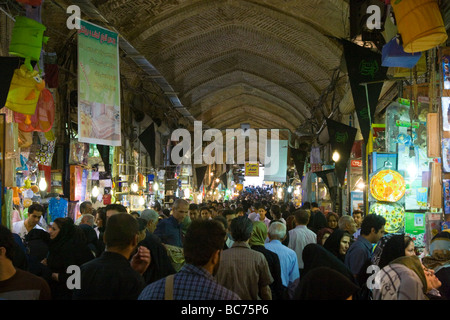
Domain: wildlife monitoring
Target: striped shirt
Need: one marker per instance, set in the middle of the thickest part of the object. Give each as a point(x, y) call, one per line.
point(190, 283)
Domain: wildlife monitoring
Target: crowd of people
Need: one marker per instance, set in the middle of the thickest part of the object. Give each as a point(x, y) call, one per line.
point(250, 248)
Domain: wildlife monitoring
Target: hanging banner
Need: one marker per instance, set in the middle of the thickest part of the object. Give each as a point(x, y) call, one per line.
point(275, 165)
point(299, 157)
point(98, 85)
point(341, 140)
point(252, 169)
point(200, 174)
point(364, 66)
point(148, 140)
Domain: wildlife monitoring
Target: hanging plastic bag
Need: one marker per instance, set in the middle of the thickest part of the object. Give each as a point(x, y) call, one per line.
point(44, 116)
point(24, 92)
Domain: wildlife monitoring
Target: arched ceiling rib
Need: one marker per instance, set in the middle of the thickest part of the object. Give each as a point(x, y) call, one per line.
point(242, 81)
point(233, 103)
point(240, 115)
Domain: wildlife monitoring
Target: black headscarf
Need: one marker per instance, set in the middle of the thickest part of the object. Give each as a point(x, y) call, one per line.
point(333, 243)
point(317, 221)
point(37, 241)
point(388, 248)
point(324, 283)
point(314, 256)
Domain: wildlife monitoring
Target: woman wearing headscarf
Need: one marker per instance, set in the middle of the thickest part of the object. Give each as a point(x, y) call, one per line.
point(67, 247)
point(439, 261)
point(323, 235)
point(405, 278)
point(338, 243)
point(316, 256)
point(332, 220)
point(391, 247)
point(324, 283)
point(256, 242)
point(37, 242)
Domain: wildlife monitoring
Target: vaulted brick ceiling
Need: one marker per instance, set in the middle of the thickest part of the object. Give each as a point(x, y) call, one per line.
point(268, 63)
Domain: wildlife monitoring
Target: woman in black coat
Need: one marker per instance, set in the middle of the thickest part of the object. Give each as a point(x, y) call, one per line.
point(67, 247)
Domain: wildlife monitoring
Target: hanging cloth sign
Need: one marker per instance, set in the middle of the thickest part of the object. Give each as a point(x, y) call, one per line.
point(98, 85)
point(364, 66)
point(341, 140)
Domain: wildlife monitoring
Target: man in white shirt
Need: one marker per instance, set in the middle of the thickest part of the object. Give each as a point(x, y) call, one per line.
point(301, 236)
point(35, 212)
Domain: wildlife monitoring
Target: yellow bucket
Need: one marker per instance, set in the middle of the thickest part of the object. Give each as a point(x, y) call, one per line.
point(419, 23)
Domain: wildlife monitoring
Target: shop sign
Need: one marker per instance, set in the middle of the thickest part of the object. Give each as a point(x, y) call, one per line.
point(252, 169)
point(356, 163)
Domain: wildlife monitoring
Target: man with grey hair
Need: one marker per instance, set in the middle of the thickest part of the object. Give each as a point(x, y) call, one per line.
point(347, 223)
point(288, 257)
point(152, 218)
point(88, 219)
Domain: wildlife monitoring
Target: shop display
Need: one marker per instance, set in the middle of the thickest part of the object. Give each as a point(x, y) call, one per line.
point(446, 195)
point(433, 222)
point(396, 115)
point(415, 227)
point(387, 185)
point(356, 201)
point(445, 101)
point(76, 174)
point(79, 152)
point(393, 213)
point(446, 154)
point(446, 77)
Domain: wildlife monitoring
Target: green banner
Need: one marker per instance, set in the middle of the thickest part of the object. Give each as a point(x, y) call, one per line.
point(98, 85)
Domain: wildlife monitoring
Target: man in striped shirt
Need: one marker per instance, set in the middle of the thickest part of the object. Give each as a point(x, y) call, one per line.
point(203, 246)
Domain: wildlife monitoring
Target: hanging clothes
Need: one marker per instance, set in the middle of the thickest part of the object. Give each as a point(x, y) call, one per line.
point(58, 208)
